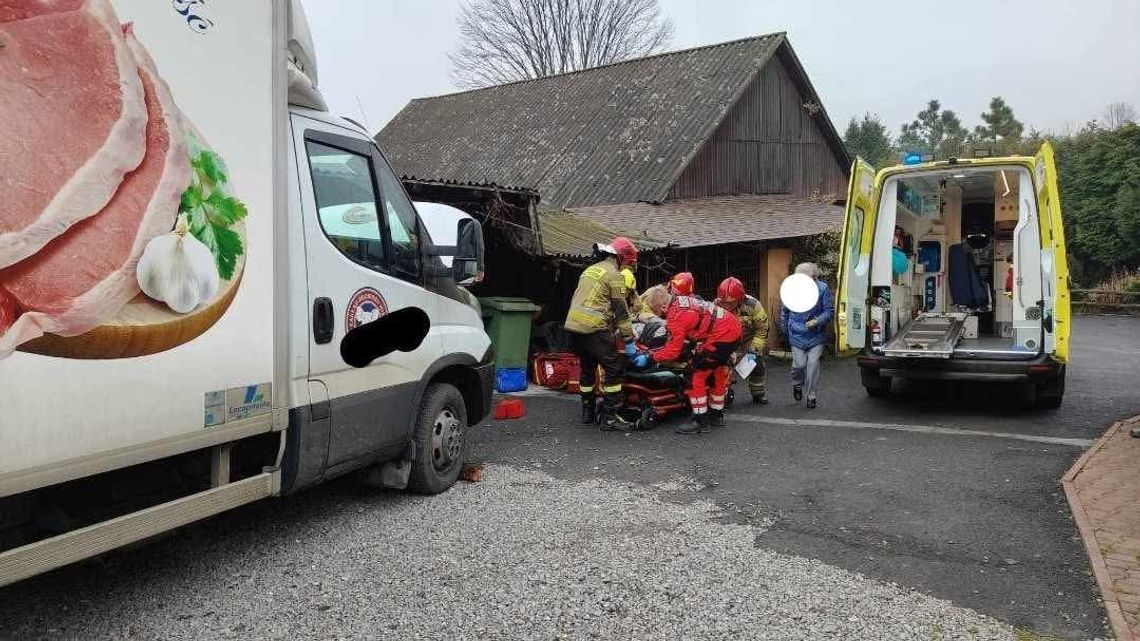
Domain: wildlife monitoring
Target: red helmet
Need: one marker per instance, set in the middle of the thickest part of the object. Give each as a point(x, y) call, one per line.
point(730, 290)
point(624, 249)
point(682, 284)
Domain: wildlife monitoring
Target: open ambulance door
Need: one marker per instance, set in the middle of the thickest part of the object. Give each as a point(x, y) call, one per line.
point(854, 277)
point(1054, 263)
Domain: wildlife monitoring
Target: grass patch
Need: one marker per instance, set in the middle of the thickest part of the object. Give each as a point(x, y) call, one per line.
point(1029, 635)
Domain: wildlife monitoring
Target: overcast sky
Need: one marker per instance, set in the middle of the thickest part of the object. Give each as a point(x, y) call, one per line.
point(1057, 62)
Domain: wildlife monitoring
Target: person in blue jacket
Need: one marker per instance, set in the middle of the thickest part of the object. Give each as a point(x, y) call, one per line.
point(807, 333)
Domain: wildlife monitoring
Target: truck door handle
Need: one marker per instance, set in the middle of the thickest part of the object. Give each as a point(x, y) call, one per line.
point(323, 324)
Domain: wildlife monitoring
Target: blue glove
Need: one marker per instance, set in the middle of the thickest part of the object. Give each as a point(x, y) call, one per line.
point(750, 356)
point(630, 349)
point(641, 361)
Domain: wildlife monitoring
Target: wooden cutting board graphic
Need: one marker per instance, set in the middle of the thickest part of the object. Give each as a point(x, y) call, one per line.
point(143, 326)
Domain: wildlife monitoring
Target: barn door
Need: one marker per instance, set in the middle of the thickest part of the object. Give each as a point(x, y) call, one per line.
point(855, 258)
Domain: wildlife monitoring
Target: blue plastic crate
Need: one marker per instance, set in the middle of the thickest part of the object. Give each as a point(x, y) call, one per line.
point(510, 379)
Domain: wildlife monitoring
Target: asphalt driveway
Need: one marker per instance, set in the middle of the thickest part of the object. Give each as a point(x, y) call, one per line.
point(788, 524)
point(951, 489)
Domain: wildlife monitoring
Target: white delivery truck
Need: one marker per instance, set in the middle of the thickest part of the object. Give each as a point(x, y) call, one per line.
point(211, 290)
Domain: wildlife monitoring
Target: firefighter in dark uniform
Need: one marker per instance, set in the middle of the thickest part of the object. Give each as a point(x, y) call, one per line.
point(598, 310)
point(754, 321)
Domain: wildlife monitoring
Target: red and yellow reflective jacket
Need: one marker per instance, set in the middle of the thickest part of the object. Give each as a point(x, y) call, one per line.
point(690, 319)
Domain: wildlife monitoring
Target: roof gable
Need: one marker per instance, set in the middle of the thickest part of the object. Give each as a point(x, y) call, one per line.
point(618, 133)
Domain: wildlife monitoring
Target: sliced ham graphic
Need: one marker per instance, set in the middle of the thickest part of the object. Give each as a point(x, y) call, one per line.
point(84, 277)
point(72, 118)
point(23, 9)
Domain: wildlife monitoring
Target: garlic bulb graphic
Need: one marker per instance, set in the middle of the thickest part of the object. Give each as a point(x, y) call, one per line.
point(178, 269)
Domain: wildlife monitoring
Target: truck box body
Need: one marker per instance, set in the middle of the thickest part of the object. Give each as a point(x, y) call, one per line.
point(225, 294)
point(58, 408)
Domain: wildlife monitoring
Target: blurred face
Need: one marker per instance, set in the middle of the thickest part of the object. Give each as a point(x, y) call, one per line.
point(658, 302)
point(730, 304)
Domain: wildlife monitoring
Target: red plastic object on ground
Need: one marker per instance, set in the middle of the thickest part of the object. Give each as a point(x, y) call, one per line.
point(557, 371)
point(509, 408)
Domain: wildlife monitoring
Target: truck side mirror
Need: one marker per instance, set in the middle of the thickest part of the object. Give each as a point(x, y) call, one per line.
point(468, 261)
point(464, 270)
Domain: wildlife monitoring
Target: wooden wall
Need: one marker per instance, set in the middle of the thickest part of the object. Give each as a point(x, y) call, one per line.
point(768, 144)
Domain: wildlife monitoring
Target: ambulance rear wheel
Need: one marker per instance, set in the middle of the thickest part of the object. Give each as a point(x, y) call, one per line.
point(441, 440)
point(876, 386)
point(1051, 393)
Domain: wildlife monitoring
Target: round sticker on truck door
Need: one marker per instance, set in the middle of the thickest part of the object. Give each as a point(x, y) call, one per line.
point(365, 306)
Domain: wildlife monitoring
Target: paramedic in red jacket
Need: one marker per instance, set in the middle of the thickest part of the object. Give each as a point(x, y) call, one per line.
point(716, 333)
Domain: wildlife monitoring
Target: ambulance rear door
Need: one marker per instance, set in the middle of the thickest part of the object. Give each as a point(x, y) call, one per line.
point(853, 282)
point(1054, 263)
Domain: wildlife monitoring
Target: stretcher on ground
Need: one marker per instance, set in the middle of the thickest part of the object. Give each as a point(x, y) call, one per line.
point(653, 394)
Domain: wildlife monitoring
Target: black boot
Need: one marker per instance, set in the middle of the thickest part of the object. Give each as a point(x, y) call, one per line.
point(798, 393)
point(716, 418)
point(614, 421)
point(698, 425)
point(589, 409)
point(760, 398)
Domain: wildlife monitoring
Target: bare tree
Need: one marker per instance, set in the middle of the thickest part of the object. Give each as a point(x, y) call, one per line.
point(507, 40)
point(1117, 114)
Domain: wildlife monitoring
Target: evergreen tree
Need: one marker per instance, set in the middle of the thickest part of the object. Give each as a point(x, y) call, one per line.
point(868, 139)
point(935, 131)
point(1001, 129)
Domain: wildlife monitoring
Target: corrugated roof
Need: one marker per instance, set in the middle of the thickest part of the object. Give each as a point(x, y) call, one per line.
point(714, 221)
point(618, 133)
point(568, 235)
point(530, 191)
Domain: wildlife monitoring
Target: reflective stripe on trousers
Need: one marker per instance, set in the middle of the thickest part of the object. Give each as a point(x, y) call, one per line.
point(698, 405)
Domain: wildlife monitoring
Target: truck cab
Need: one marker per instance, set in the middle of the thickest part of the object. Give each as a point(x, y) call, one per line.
point(956, 270)
point(367, 253)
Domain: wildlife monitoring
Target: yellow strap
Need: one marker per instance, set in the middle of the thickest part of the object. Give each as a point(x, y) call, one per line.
point(611, 389)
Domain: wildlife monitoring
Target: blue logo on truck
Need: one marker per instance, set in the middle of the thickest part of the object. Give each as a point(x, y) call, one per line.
point(252, 395)
point(190, 10)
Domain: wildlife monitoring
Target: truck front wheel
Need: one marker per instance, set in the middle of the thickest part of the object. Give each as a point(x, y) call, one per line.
point(441, 440)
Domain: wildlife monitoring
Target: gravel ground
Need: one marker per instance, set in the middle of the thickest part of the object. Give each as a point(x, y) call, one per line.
point(520, 556)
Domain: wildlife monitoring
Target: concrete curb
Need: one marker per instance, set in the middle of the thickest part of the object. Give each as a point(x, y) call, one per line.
point(1120, 627)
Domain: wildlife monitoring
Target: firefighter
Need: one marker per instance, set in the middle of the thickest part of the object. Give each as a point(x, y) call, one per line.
point(598, 310)
point(679, 285)
point(682, 284)
point(717, 333)
point(754, 332)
